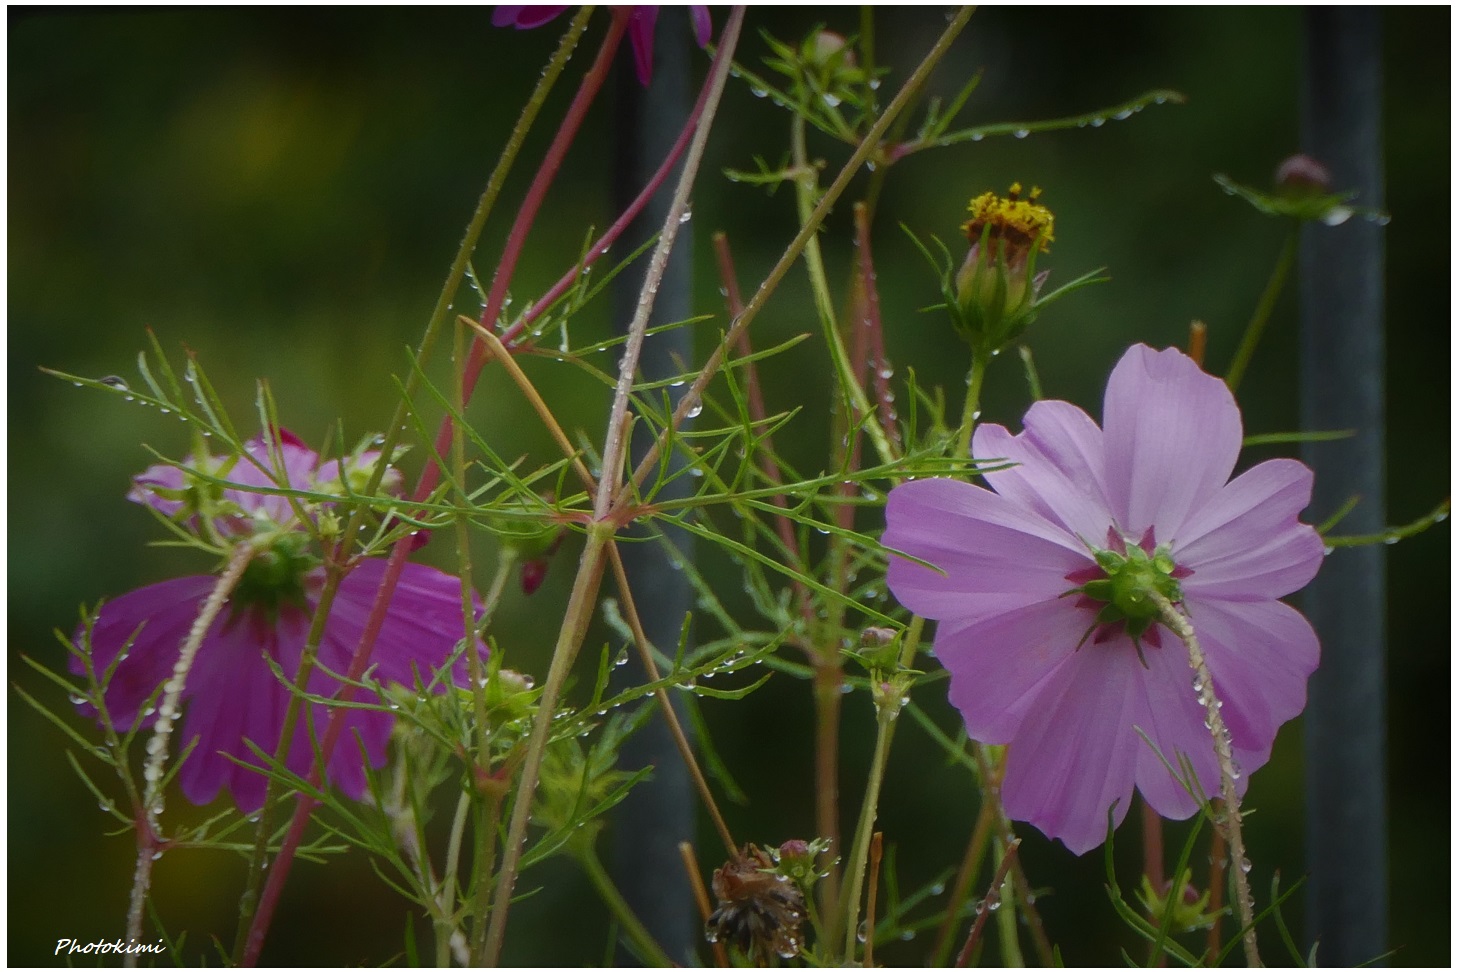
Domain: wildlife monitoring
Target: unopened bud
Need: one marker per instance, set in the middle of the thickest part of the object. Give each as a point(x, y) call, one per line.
point(793, 852)
point(1301, 175)
point(827, 44)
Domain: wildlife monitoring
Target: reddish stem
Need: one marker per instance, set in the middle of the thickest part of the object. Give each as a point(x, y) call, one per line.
point(988, 903)
point(757, 414)
point(600, 248)
point(1197, 342)
point(880, 365)
point(1153, 827)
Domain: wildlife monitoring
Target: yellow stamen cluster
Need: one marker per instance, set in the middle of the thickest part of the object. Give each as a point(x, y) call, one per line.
point(1020, 222)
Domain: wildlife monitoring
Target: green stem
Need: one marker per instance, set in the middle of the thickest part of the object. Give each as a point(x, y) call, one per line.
point(806, 193)
point(1262, 314)
point(1007, 916)
point(972, 407)
point(649, 951)
point(827, 695)
point(575, 619)
point(887, 709)
point(861, 843)
point(448, 878)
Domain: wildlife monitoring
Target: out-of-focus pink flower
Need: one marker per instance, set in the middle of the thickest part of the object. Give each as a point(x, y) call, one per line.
point(641, 21)
point(231, 693)
point(1044, 658)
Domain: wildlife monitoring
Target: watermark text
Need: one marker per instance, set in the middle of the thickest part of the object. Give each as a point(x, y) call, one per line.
point(73, 946)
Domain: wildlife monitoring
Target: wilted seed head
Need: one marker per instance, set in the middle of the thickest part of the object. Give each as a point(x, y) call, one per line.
point(759, 910)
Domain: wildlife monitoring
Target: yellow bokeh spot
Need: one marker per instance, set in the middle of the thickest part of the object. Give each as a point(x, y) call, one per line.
point(1021, 222)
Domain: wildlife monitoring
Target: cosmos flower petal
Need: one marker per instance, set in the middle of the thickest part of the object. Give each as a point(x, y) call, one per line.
point(232, 696)
point(1171, 436)
point(1171, 717)
point(1260, 655)
point(366, 735)
point(976, 654)
point(160, 616)
point(1060, 456)
point(524, 17)
point(1247, 540)
point(983, 542)
point(146, 486)
point(640, 31)
point(287, 464)
point(1067, 767)
point(422, 627)
point(703, 26)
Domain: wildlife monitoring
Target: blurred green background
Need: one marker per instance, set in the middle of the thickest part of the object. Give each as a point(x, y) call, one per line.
point(281, 191)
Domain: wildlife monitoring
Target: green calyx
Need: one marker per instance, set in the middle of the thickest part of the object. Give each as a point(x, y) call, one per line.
point(996, 293)
point(1135, 583)
point(274, 578)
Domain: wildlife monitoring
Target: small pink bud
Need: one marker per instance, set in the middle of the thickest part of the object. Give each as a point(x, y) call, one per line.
point(1303, 175)
point(533, 573)
point(794, 850)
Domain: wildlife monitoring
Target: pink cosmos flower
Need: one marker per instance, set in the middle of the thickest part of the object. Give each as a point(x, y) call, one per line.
point(231, 693)
point(641, 22)
point(1043, 657)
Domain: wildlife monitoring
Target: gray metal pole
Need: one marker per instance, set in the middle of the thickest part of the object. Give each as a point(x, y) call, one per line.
point(657, 815)
point(1342, 387)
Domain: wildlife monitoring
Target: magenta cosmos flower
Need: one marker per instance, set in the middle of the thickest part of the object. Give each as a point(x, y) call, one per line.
point(1032, 575)
point(231, 693)
point(641, 21)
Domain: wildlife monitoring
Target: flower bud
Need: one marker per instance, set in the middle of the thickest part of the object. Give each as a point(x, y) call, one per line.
point(532, 536)
point(1188, 909)
point(1301, 175)
point(826, 48)
point(511, 692)
point(997, 286)
point(793, 852)
point(1302, 191)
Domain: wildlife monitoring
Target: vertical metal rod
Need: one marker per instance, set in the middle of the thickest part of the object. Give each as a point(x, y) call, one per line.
point(1342, 387)
point(657, 815)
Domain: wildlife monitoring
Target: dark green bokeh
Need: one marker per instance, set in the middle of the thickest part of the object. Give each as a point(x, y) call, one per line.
point(281, 192)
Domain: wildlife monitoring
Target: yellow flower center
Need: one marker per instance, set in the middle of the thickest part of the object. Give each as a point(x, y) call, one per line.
point(1021, 222)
